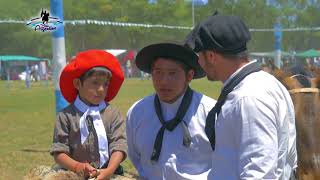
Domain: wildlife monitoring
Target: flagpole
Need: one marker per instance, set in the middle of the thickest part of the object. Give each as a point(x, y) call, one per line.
point(278, 37)
point(192, 13)
point(58, 52)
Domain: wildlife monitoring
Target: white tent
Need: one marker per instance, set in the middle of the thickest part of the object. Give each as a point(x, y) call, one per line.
point(116, 52)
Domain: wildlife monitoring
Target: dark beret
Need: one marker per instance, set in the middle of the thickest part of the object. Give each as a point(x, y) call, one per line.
point(177, 52)
point(224, 34)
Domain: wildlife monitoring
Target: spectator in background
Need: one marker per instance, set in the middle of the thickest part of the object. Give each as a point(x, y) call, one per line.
point(129, 69)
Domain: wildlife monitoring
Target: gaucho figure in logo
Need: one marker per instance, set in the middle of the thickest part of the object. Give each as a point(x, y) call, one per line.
point(45, 16)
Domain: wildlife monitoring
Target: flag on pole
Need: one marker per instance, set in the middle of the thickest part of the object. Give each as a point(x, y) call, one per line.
point(152, 1)
point(198, 2)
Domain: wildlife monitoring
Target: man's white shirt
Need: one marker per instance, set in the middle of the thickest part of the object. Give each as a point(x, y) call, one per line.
point(255, 131)
point(176, 161)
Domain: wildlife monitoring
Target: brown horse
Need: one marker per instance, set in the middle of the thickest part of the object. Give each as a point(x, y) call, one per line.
point(307, 109)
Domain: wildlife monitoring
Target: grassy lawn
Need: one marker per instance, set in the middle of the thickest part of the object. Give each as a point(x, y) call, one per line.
point(28, 115)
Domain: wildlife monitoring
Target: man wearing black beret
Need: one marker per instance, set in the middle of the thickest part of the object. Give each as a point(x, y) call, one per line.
point(166, 137)
point(252, 126)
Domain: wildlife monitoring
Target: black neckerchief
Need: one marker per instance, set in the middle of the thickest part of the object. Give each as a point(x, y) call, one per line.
point(171, 125)
point(92, 132)
point(214, 112)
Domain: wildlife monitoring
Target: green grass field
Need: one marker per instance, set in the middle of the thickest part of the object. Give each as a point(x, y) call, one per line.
point(27, 117)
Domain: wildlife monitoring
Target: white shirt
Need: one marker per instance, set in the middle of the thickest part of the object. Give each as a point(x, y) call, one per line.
point(255, 131)
point(176, 161)
point(94, 112)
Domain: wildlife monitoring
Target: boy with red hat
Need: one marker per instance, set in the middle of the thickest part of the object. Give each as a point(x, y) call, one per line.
point(89, 134)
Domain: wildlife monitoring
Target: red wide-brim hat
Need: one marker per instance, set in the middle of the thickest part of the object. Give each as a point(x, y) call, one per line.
point(85, 61)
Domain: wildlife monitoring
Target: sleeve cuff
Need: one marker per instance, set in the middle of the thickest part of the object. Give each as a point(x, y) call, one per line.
point(120, 147)
point(58, 148)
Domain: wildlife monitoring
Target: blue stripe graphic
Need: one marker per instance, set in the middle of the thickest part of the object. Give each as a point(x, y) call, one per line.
point(58, 50)
point(57, 11)
point(60, 101)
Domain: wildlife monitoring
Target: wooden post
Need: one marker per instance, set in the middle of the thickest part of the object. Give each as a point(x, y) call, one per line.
point(307, 109)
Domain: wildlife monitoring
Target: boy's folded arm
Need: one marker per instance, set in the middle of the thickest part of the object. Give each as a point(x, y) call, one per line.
point(61, 135)
point(115, 160)
point(67, 162)
point(118, 138)
point(58, 147)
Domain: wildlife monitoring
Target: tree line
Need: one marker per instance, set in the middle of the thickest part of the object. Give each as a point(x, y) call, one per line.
point(18, 39)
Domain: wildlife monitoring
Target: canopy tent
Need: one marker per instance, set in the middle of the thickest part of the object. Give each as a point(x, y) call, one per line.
point(309, 53)
point(122, 55)
point(116, 52)
point(12, 66)
point(20, 58)
point(126, 58)
point(270, 54)
point(129, 56)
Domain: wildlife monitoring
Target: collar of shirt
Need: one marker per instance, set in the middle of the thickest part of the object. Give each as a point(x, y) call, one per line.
point(83, 107)
point(236, 72)
point(93, 111)
point(176, 161)
point(169, 111)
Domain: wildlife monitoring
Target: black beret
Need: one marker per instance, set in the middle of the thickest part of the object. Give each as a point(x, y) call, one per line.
point(177, 52)
point(224, 34)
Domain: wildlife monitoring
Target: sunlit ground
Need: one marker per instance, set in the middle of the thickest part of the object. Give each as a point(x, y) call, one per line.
point(27, 118)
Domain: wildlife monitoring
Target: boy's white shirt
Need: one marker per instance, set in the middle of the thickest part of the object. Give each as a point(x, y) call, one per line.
point(94, 111)
point(176, 161)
